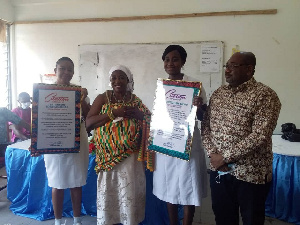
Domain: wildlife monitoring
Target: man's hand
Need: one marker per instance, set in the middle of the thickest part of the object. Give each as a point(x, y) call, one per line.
point(217, 160)
point(224, 168)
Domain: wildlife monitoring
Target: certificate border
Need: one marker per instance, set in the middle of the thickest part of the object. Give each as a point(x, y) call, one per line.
point(42, 86)
point(188, 146)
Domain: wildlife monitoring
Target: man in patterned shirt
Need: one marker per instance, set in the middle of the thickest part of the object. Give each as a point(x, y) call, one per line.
point(237, 134)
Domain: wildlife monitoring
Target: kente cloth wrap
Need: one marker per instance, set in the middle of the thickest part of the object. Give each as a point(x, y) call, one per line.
point(116, 141)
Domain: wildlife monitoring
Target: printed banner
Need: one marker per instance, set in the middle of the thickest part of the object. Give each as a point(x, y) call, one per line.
point(55, 119)
point(173, 118)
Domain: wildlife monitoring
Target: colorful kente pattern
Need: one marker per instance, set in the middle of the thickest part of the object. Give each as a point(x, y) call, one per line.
point(116, 141)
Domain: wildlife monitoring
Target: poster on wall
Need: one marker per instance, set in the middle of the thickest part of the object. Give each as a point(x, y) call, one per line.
point(173, 118)
point(55, 119)
point(210, 58)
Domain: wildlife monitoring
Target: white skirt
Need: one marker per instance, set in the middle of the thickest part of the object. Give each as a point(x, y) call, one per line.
point(69, 170)
point(182, 182)
point(121, 193)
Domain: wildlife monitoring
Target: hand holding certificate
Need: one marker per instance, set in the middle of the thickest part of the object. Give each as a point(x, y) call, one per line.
point(173, 119)
point(55, 119)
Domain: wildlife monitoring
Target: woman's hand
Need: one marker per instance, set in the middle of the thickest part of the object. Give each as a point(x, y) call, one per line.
point(84, 94)
point(128, 112)
point(119, 112)
point(197, 101)
point(133, 112)
point(85, 107)
point(33, 154)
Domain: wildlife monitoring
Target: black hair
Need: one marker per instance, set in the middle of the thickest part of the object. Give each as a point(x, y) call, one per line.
point(64, 59)
point(249, 58)
point(23, 95)
point(178, 48)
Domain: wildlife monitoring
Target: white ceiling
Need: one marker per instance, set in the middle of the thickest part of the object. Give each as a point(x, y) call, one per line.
point(45, 2)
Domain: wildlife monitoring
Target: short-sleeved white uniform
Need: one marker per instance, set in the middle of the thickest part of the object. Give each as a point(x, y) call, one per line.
point(69, 170)
point(182, 182)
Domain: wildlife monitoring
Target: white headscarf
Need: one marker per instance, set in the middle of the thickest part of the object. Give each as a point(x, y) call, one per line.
point(128, 74)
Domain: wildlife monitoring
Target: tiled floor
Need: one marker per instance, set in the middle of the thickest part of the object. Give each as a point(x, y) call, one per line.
point(8, 218)
point(203, 215)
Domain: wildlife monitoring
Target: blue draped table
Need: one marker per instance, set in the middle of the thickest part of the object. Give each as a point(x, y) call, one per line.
point(30, 196)
point(283, 201)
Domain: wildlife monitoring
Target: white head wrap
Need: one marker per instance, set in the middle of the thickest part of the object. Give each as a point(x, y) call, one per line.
point(128, 74)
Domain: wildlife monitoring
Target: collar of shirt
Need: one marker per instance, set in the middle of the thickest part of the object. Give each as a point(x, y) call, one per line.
point(242, 86)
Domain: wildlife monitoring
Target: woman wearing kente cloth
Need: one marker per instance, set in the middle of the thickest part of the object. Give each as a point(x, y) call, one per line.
point(121, 126)
point(176, 181)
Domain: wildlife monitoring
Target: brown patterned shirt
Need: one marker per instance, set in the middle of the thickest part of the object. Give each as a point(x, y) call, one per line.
point(238, 124)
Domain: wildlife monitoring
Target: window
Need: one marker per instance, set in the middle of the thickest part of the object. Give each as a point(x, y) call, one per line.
point(5, 78)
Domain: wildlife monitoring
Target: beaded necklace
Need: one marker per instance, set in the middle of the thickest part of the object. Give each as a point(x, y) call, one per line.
point(118, 104)
point(118, 101)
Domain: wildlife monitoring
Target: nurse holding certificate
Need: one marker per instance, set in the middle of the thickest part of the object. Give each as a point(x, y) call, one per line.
point(68, 170)
point(176, 181)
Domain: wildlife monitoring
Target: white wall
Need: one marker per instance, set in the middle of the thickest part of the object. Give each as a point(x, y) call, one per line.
point(6, 10)
point(274, 39)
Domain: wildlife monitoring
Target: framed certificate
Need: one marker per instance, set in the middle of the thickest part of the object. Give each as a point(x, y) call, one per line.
point(55, 119)
point(173, 118)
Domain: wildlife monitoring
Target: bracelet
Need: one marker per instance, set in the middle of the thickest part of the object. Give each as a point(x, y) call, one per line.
point(110, 114)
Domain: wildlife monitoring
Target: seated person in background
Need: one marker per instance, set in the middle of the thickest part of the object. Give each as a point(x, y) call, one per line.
point(24, 112)
point(8, 116)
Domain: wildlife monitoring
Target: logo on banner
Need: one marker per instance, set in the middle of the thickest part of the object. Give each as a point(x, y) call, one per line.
point(56, 99)
point(171, 94)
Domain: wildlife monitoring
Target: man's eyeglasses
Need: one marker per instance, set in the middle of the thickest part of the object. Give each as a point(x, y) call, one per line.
point(233, 66)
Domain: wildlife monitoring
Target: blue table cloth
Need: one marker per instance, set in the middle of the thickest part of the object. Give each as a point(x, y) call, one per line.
point(283, 201)
point(30, 196)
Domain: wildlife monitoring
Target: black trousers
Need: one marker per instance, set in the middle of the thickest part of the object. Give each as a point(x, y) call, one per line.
point(231, 196)
point(2, 154)
point(2, 149)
